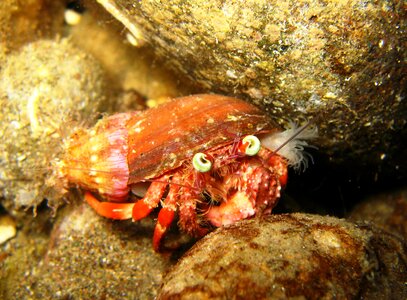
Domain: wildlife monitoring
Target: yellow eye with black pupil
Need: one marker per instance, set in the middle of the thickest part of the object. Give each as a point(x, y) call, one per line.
point(201, 163)
point(253, 145)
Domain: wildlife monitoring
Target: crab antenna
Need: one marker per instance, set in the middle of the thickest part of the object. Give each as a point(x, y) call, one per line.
point(170, 183)
point(301, 129)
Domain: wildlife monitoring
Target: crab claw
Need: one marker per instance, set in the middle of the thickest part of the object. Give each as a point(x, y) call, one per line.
point(256, 193)
point(236, 208)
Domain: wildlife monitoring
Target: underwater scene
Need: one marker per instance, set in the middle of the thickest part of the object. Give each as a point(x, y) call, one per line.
point(203, 149)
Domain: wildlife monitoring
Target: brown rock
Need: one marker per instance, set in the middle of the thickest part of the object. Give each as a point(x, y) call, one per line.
point(291, 256)
point(388, 211)
point(86, 257)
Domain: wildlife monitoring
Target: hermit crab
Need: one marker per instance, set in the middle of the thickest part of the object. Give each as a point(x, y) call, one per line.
point(211, 158)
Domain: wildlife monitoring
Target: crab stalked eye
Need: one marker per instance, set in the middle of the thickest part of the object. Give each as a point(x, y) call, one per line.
point(201, 162)
point(252, 145)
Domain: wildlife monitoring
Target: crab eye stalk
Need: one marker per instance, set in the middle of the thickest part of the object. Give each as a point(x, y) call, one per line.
point(252, 145)
point(201, 162)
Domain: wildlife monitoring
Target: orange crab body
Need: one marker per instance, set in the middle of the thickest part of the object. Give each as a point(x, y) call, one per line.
point(160, 146)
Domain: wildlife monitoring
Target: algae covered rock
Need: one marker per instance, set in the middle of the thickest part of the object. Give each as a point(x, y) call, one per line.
point(131, 68)
point(338, 62)
point(29, 20)
point(46, 88)
point(291, 256)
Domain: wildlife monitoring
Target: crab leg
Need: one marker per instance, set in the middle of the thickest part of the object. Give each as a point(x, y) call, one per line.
point(118, 211)
point(188, 220)
point(123, 211)
point(166, 214)
point(155, 192)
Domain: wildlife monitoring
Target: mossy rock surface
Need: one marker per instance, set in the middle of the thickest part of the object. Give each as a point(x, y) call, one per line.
point(339, 63)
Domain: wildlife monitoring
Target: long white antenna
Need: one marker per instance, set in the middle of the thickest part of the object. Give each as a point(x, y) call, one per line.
point(301, 129)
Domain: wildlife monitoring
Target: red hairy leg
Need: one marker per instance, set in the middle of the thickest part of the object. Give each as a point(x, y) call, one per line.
point(167, 213)
point(188, 220)
point(264, 181)
point(265, 188)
